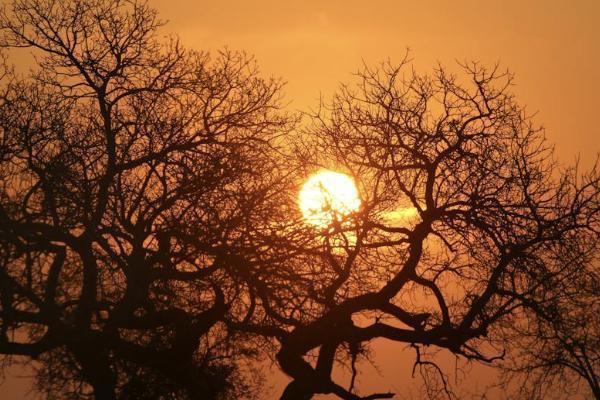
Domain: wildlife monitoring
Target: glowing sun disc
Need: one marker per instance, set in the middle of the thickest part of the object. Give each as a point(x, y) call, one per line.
point(326, 196)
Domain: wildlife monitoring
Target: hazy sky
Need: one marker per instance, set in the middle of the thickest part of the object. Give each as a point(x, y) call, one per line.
point(553, 48)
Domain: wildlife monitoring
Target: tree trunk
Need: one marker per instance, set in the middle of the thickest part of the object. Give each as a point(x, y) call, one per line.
point(96, 371)
point(297, 390)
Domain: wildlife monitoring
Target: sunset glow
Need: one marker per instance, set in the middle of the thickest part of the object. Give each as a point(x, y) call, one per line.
point(328, 195)
point(383, 200)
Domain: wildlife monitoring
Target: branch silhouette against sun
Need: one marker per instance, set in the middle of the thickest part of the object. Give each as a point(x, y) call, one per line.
point(165, 224)
point(466, 226)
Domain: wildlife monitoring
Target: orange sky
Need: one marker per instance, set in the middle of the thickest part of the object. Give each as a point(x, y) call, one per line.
point(552, 47)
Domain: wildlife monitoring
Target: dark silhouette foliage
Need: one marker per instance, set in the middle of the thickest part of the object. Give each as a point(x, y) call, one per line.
point(132, 172)
point(470, 237)
point(151, 245)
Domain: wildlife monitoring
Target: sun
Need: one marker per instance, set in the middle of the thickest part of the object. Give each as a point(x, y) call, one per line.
point(326, 196)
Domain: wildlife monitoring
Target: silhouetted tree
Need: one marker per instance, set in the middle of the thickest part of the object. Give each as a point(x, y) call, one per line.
point(556, 341)
point(151, 245)
point(132, 172)
point(466, 225)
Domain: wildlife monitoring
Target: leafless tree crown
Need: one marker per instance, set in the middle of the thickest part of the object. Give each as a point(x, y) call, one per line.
point(151, 244)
